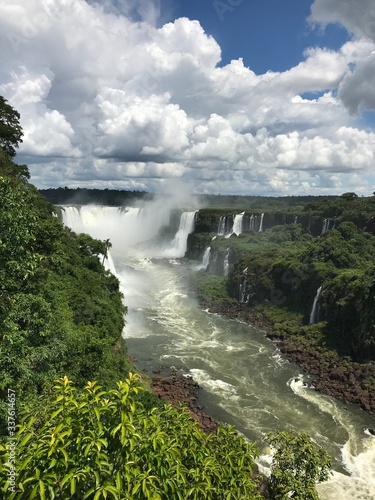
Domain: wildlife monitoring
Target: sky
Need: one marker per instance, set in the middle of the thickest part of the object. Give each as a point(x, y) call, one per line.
point(252, 97)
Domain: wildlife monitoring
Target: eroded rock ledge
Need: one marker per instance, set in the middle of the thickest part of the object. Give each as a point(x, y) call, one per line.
point(178, 389)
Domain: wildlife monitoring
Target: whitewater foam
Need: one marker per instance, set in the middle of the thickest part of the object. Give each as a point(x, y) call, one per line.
point(358, 452)
point(217, 386)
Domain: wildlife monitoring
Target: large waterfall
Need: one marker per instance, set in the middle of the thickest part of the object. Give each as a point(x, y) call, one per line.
point(245, 381)
point(132, 227)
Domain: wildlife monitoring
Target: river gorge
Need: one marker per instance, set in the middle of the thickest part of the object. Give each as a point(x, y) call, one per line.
point(244, 379)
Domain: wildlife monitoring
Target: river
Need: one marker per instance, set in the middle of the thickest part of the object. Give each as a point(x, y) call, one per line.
point(244, 380)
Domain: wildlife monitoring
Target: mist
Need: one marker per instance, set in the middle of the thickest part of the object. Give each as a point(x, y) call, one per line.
point(155, 229)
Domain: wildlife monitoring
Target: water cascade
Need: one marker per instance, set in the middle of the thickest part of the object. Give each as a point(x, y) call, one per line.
point(237, 224)
point(131, 226)
point(314, 315)
point(261, 223)
point(243, 295)
point(244, 380)
point(225, 225)
point(206, 258)
point(221, 228)
point(179, 243)
point(326, 224)
point(226, 262)
point(250, 222)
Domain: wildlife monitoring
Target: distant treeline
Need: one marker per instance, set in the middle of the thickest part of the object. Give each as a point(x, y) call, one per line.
point(114, 197)
point(83, 196)
point(261, 202)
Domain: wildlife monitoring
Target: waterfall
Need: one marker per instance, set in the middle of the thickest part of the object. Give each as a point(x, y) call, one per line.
point(206, 258)
point(225, 226)
point(237, 224)
point(132, 227)
point(243, 296)
point(261, 223)
point(179, 243)
point(108, 262)
point(325, 227)
point(71, 217)
point(221, 228)
point(251, 228)
point(226, 262)
point(314, 315)
point(296, 219)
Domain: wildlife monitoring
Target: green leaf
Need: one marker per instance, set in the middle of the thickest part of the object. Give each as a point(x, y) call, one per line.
point(73, 485)
point(42, 491)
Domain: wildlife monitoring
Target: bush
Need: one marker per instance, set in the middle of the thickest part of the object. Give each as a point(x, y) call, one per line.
point(296, 467)
point(104, 444)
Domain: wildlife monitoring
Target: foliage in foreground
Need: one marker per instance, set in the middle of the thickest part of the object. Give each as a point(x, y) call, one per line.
point(97, 444)
point(296, 467)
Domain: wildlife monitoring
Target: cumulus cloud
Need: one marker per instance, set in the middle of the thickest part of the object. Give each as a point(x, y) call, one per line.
point(357, 90)
point(358, 16)
point(113, 95)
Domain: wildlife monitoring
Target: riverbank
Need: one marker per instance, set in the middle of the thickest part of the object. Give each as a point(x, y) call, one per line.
point(348, 381)
point(177, 390)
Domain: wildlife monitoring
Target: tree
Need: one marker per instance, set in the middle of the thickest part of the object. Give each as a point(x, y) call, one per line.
point(100, 444)
point(10, 128)
point(296, 467)
point(349, 196)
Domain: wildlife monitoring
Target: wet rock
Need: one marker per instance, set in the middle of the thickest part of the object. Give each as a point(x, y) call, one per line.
point(177, 389)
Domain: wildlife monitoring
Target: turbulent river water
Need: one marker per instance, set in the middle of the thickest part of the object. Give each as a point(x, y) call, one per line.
point(244, 379)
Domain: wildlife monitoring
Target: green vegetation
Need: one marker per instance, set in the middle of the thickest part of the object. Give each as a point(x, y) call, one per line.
point(61, 313)
point(279, 271)
point(297, 466)
point(61, 317)
point(82, 196)
point(10, 129)
point(211, 290)
point(104, 444)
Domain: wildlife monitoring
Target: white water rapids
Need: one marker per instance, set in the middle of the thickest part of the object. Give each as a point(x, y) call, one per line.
point(245, 381)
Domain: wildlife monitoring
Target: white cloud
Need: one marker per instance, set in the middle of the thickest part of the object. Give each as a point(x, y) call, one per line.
point(357, 90)
point(358, 16)
point(111, 96)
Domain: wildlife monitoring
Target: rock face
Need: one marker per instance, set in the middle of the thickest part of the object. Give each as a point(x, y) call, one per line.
point(349, 382)
point(178, 389)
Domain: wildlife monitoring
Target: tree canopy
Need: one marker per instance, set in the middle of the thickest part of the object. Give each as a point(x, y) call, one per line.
point(10, 128)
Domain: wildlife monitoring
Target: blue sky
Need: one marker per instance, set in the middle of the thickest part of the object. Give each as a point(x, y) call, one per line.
point(267, 34)
point(271, 97)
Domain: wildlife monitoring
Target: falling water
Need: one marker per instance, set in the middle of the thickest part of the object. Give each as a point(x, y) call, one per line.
point(131, 227)
point(179, 243)
point(314, 315)
point(252, 223)
point(237, 224)
point(222, 225)
point(206, 258)
point(261, 223)
point(325, 227)
point(244, 380)
point(226, 263)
